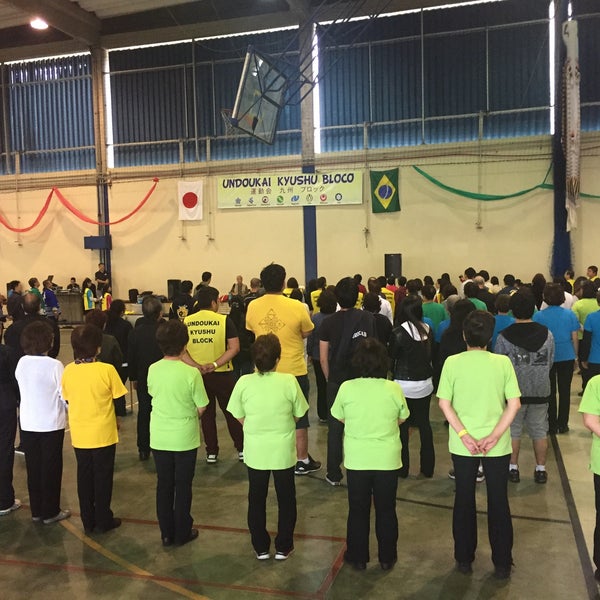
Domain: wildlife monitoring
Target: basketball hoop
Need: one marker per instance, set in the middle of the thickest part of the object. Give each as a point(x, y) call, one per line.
point(230, 129)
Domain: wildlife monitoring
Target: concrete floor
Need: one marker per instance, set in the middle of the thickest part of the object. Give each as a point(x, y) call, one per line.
point(553, 534)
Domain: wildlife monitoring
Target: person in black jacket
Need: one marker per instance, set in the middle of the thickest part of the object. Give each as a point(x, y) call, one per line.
point(9, 400)
point(410, 351)
point(142, 352)
point(12, 337)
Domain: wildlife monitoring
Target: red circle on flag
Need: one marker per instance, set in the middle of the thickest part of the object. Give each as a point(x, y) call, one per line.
point(189, 199)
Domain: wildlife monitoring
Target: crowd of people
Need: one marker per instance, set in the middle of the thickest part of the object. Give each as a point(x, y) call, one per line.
point(500, 359)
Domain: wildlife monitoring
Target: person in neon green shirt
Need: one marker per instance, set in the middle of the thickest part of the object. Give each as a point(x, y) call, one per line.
point(371, 408)
point(590, 407)
point(479, 396)
point(178, 400)
point(268, 404)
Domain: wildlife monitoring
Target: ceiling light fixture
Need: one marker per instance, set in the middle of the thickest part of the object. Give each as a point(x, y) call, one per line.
point(38, 23)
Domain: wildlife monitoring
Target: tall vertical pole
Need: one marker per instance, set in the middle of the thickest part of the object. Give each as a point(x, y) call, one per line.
point(307, 38)
point(561, 249)
point(99, 57)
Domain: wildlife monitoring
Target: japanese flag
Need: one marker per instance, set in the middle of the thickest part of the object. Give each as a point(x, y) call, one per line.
point(190, 200)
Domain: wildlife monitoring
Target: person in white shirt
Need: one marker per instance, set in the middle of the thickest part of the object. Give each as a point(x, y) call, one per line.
point(43, 420)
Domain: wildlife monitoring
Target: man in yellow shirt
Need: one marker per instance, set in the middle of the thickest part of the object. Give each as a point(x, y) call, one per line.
point(213, 343)
point(290, 322)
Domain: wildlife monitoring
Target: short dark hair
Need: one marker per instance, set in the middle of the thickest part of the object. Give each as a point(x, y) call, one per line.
point(402, 281)
point(554, 295)
point(31, 303)
point(593, 268)
point(478, 328)
point(292, 282)
point(86, 340)
point(273, 278)
point(494, 280)
point(484, 274)
point(327, 302)
point(151, 307)
point(522, 304)
point(358, 278)
point(509, 280)
point(588, 289)
point(186, 286)
point(449, 290)
point(96, 317)
point(502, 303)
point(206, 276)
point(413, 287)
point(37, 338)
point(471, 289)
point(13, 284)
point(205, 297)
point(470, 272)
point(346, 292)
point(428, 292)
point(32, 281)
point(370, 359)
point(372, 302)
point(321, 282)
point(391, 280)
point(266, 351)
point(172, 337)
point(117, 307)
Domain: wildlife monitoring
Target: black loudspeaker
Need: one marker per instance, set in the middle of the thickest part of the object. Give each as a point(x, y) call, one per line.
point(393, 265)
point(133, 295)
point(173, 288)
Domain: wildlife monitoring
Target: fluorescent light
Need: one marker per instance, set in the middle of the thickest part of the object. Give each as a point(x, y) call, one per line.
point(38, 23)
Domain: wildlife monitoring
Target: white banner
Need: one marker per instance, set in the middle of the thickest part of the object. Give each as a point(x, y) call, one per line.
point(325, 188)
point(190, 200)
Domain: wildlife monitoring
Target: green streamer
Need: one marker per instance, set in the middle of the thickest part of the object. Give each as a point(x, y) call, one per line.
point(494, 197)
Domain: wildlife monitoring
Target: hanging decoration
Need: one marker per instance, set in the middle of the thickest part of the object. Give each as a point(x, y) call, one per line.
point(571, 120)
point(59, 195)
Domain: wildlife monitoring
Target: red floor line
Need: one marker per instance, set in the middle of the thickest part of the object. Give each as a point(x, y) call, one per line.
point(180, 581)
point(335, 569)
point(305, 536)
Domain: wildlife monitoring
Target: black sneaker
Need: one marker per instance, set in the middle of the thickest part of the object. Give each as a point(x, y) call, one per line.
point(464, 567)
point(502, 572)
point(311, 466)
point(514, 475)
point(540, 476)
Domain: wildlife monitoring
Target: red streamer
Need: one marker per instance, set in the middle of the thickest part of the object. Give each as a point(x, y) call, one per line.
point(76, 211)
point(35, 223)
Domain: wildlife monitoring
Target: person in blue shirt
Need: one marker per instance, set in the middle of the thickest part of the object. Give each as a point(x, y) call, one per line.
point(564, 326)
point(589, 346)
point(503, 318)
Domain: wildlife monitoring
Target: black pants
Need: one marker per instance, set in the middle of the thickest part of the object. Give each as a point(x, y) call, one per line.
point(143, 418)
point(335, 436)
point(381, 486)
point(322, 409)
point(218, 389)
point(8, 432)
point(175, 472)
point(597, 528)
point(464, 520)
point(561, 375)
point(95, 468)
point(258, 488)
point(419, 417)
point(44, 462)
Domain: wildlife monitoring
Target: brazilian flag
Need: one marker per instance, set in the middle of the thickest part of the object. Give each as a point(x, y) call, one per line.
point(384, 191)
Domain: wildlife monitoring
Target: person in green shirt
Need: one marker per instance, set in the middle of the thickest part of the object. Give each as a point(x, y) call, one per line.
point(479, 396)
point(268, 404)
point(590, 407)
point(178, 400)
point(371, 408)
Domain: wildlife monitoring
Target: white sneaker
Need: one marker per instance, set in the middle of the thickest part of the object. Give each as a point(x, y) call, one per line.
point(211, 459)
point(283, 555)
point(16, 505)
point(61, 516)
point(263, 556)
